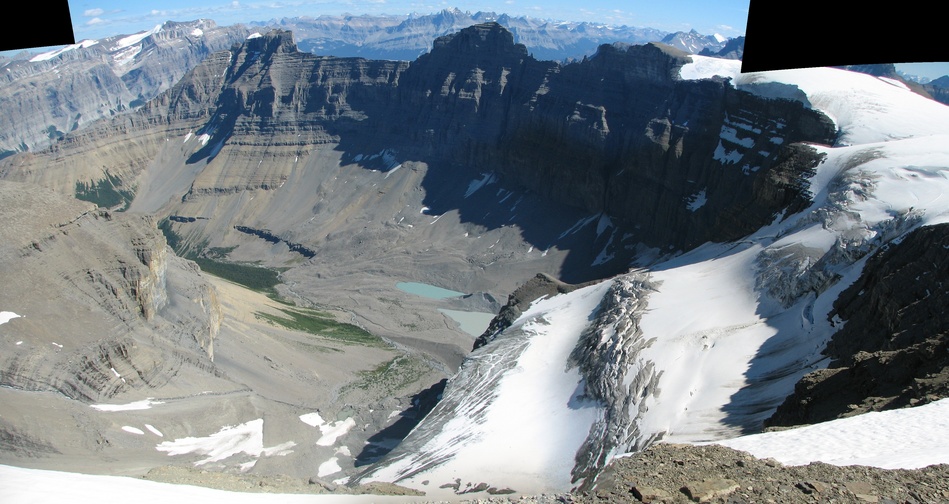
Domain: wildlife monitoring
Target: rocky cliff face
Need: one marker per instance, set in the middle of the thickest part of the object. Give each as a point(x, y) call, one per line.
point(891, 350)
point(938, 89)
point(52, 94)
point(99, 294)
point(619, 134)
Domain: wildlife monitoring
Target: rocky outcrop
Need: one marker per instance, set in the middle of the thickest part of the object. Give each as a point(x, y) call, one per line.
point(891, 350)
point(272, 238)
point(674, 473)
point(105, 306)
point(733, 49)
point(938, 89)
point(540, 286)
point(693, 42)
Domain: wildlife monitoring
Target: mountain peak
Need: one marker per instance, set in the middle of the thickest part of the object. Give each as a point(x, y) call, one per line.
point(275, 41)
point(483, 37)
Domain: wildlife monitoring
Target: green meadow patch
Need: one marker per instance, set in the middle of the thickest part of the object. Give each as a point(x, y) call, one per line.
point(321, 324)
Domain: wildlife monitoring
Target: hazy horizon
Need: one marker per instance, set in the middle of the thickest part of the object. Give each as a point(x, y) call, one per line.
point(94, 19)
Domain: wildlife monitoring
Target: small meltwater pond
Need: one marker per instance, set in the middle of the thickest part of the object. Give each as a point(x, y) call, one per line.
point(427, 291)
point(473, 323)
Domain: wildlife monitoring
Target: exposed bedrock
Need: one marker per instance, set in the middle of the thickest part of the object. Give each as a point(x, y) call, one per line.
point(617, 133)
point(893, 348)
point(538, 287)
point(105, 306)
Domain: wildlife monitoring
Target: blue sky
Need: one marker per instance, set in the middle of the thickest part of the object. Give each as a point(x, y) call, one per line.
point(100, 18)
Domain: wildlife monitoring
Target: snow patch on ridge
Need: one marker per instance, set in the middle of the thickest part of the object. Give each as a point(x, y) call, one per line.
point(132, 406)
point(907, 438)
point(46, 56)
point(696, 201)
point(486, 179)
point(135, 39)
point(330, 431)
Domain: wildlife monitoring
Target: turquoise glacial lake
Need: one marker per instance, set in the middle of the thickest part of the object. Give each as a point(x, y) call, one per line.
point(473, 323)
point(427, 291)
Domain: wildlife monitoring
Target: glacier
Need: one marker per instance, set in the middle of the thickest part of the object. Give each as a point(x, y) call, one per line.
point(701, 347)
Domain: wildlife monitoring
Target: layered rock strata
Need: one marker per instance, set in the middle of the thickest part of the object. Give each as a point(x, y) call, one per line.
point(106, 308)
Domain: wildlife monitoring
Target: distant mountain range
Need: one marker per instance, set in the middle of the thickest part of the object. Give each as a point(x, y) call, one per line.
point(45, 96)
point(406, 37)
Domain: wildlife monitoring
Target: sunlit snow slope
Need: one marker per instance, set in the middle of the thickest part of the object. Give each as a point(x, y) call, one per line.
point(704, 346)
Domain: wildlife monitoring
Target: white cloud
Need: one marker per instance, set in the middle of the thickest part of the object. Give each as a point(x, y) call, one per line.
point(93, 12)
point(95, 21)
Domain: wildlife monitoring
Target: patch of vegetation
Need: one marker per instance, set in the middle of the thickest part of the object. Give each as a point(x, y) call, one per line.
point(392, 376)
point(322, 324)
point(108, 192)
point(173, 239)
point(256, 278)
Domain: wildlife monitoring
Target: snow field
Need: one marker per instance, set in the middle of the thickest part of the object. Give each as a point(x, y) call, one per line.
point(246, 438)
point(908, 438)
point(516, 436)
point(6, 316)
